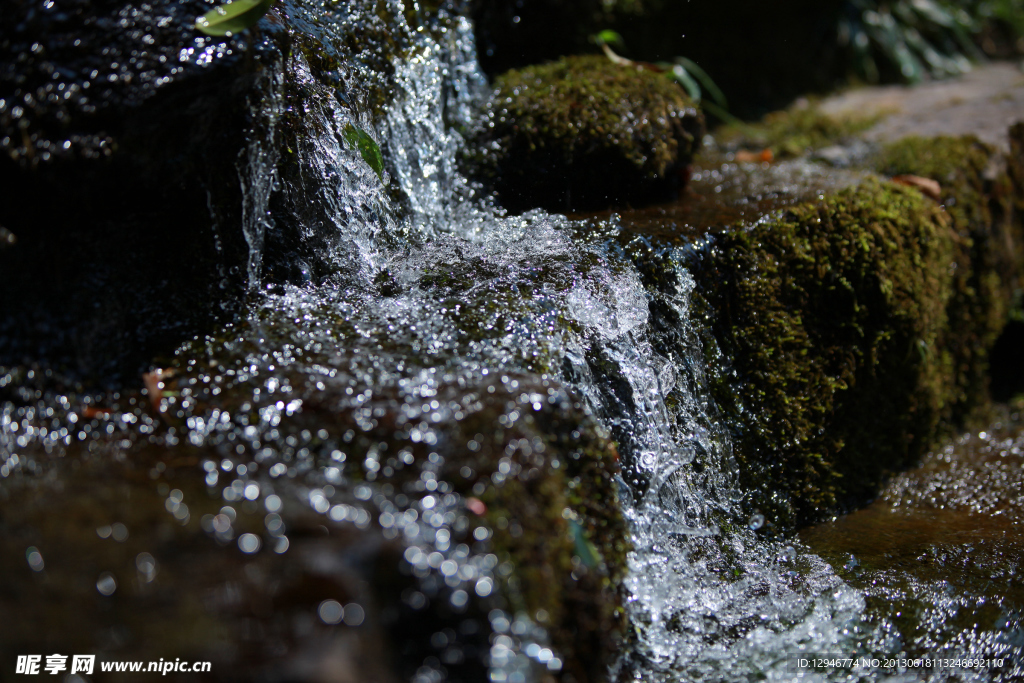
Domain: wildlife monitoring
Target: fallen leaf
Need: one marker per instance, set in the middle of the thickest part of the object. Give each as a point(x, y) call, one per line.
point(745, 156)
point(233, 17)
point(93, 412)
point(927, 186)
point(154, 381)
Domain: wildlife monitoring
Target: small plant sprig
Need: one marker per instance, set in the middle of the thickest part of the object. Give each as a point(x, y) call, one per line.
point(682, 70)
point(233, 17)
point(359, 139)
point(240, 15)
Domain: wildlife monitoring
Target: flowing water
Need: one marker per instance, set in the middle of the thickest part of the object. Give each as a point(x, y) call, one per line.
point(446, 322)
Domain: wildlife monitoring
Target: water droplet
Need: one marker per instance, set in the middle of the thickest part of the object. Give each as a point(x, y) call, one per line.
point(35, 558)
point(331, 612)
point(354, 614)
point(106, 584)
point(249, 543)
point(146, 565)
point(756, 521)
point(281, 547)
point(788, 554)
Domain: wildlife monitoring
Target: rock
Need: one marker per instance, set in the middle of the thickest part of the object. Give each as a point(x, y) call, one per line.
point(939, 545)
point(859, 327)
point(116, 138)
point(431, 469)
point(155, 169)
point(985, 102)
point(241, 581)
point(851, 320)
point(584, 133)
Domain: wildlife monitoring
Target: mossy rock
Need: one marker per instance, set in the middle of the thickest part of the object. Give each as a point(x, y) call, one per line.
point(979, 194)
point(795, 131)
point(852, 332)
point(585, 133)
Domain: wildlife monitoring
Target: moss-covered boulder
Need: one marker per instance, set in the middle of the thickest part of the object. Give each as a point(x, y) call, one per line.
point(853, 330)
point(584, 133)
point(794, 132)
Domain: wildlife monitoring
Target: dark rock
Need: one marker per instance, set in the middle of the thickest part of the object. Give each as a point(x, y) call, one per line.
point(513, 488)
point(120, 127)
point(154, 169)
point(585, 133)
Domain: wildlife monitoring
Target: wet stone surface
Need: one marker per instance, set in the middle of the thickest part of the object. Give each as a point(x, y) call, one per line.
point(985, 102)
point(939, 554)
point(408, 456)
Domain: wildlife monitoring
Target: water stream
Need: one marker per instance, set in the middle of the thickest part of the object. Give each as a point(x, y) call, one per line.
point(437, 302)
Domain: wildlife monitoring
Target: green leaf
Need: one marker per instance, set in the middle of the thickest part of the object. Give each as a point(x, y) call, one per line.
point(234, 17)
point(608, 37)
point(368, 149)
point(680, 74)
point(691, 67)
point(585, 549)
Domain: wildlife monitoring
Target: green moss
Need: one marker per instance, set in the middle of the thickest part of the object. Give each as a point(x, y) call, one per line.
point(851, 333)
point(587, 132)
point(979, 198)
point(532, 512)
point(795, 131)
point(832, 318)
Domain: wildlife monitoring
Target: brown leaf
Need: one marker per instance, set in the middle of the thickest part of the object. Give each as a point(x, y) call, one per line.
point(476, 506)
point(154, 381)
point(745, 156)
point(927, 186)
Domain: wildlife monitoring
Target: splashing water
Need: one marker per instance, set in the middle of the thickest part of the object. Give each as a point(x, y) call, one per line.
point(708, 598)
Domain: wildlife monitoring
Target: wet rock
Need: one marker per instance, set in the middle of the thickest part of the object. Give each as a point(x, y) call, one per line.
point(851, 321)
point(154, 568)
point(984, 102)
point(119, 125)
point(154, 168)
point(327, 449)
point(854, 327)
point(230, 557)
point(585, 133)
point(940, 541)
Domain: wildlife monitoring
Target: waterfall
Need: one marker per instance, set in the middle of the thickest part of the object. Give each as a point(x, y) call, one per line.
point(707, 598)
point(399, 324)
